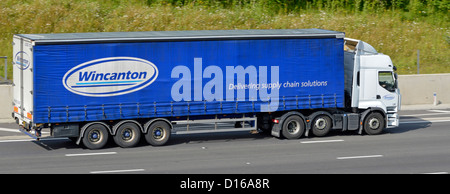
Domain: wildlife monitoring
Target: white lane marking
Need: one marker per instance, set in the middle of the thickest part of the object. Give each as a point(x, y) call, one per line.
point(356, 157)
point(15, 140)
point(423, 121)
point(436, 173)
point(425, 114)
point(116, 171)
point(440, 111)
point(10, 130)
point(16, 130)
point(91, 154)
point(323, 141)
point(25, 140)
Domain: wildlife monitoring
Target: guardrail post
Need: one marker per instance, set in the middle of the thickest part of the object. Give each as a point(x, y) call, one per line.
point(6, 68)
point(418, 63)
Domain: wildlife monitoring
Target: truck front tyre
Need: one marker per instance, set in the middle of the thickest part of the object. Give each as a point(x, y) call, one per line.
point(95, 137)
point(374, 123)
point(158, 133)
point(127, 135)
point(293, 127)
point(321, 125)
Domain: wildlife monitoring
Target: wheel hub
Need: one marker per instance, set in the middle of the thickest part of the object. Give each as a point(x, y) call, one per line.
point(127, 134)
point(320, 123)
point(374, 123)
point(94, 136)
point(158, 133)
point(293, 127)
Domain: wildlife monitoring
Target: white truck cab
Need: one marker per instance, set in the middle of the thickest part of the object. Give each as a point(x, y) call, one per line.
point(376, 85)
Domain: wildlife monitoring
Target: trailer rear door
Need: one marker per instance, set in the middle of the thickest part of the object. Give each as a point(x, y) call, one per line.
point(23, 79)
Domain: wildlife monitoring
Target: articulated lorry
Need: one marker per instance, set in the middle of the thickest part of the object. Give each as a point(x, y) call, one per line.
point(91, 87)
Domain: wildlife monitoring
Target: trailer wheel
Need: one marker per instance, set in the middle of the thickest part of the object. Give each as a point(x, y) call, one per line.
point(374, 123)
point(158, 133)
point(293, 127)
point(127, 135)
point(321, 125)
point(95, 136)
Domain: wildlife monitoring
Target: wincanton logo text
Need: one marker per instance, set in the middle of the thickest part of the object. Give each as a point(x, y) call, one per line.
point(110, 76)
point(94, 76)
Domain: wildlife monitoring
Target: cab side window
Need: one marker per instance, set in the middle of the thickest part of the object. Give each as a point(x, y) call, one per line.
point(386, 80)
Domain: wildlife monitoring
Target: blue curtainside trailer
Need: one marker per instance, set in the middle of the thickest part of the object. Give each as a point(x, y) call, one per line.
point(89, 86)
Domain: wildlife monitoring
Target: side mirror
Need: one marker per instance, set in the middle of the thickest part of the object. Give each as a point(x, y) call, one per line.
point(396, 80)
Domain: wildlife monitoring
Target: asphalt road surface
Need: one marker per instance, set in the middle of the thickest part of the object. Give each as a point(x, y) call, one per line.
point(421, 145)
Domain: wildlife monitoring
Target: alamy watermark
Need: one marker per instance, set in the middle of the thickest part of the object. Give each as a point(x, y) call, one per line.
point(235, 87)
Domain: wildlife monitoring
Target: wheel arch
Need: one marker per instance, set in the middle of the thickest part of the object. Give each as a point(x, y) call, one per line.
point(150, 122)
point(117, 125)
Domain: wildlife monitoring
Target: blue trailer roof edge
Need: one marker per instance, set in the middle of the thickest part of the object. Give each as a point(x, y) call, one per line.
point(157, 36)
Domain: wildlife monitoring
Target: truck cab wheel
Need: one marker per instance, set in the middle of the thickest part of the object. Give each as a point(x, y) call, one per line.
point(158, 133)
point(374, 123)
point(95, 137)
point(127, 135)
point(321, 125)
point(293, 127)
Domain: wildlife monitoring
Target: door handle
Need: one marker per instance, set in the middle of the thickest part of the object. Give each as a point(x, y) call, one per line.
point(378, 97)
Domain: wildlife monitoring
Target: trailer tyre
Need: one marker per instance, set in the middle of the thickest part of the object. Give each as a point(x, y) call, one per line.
point(293, 127)
point(374, 123)
point(321, 125)
point(158, 133)
point(95, 136)
point(127, 135)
